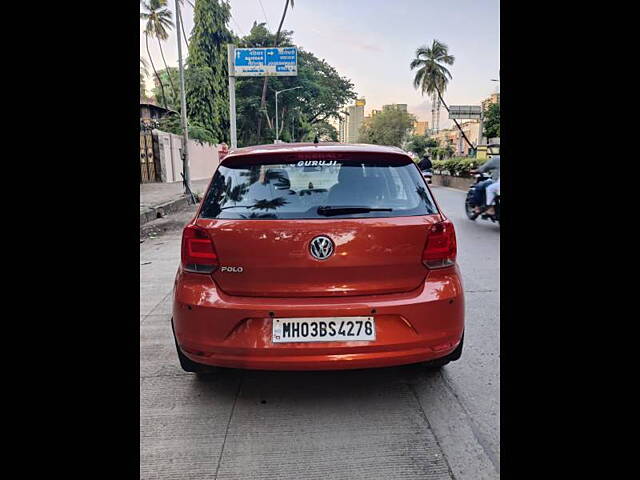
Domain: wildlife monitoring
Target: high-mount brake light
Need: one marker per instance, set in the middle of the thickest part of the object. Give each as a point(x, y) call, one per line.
point(441, 249)
point(326, 156)
point(198, 252)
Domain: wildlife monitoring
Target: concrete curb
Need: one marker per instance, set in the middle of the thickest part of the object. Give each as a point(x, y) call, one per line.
point(158, 211)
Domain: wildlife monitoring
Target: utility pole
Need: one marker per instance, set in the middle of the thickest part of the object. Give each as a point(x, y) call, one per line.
point(183, 102)
point(277, 93)
point(231, 52)
point(482, 113)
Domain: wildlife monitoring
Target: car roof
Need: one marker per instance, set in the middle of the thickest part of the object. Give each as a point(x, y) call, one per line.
point(326, 147)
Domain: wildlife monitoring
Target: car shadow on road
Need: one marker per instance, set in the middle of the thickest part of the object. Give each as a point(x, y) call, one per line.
point(315, 386)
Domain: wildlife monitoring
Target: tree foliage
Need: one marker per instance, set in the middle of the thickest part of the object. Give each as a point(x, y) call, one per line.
point(158, 18)
point(444, 151)
point(302, 112)
point(419, 144)
point(171, 123)
point(206, 84)
point(457, 166)
point(172, 99)
point(432, 76)
point(144, 72)
point(492, 121)
point(389, 127)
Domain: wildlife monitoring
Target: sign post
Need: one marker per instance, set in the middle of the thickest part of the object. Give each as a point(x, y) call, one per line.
point(256, 62)
point(232, 95)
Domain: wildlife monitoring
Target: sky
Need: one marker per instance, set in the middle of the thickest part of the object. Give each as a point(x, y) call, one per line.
point(372, 43)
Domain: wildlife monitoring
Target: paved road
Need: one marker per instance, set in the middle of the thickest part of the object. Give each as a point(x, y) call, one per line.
point(388, 423)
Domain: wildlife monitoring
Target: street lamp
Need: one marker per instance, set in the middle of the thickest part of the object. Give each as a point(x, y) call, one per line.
point(278, 92)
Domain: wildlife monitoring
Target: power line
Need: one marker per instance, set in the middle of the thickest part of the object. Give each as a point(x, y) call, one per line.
point(264, 13)
point(236, 24)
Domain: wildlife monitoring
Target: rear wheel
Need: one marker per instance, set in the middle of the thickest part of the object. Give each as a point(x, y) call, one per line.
point(469, 208)
point(452, 357)
point(189, 365)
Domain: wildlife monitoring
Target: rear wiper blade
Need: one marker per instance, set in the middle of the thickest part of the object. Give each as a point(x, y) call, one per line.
point(328, 211)
point(236, 206)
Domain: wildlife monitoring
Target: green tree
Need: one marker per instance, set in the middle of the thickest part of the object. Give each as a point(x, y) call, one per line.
point(389, 127)
point(172, 101)
point(301, 112)
point(492, 121)
point(325, 132)
point(171, 123)
point(144, 72)
point(418, 144)
point(432, 75)
point(158, 19)
point(206, 85)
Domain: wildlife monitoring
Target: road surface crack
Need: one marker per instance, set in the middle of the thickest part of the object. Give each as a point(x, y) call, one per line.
point(226, 432)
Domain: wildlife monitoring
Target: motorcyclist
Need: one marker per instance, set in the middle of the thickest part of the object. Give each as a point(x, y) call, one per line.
point(492, 165)
point(425, 163)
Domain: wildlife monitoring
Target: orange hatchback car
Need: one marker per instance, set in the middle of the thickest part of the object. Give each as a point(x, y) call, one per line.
point(317, 257)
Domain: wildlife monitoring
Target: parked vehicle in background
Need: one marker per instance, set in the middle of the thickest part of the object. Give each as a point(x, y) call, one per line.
point(314, 257)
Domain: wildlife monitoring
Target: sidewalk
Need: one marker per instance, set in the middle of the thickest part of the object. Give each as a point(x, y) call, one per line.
point(162, 198)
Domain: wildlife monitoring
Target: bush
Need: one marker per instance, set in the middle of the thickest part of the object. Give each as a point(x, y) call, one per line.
point(457, 166)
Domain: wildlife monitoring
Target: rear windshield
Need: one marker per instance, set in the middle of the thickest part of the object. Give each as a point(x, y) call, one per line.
point(317, 190)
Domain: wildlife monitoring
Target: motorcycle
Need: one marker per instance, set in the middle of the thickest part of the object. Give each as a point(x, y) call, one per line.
point(470, 204)
point(427, 175)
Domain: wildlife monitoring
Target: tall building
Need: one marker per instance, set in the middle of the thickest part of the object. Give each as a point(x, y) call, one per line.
point(420, 128)
point(435, 112)
point(400, 106)
point(342, 128)
point(453, 137)
point(493, 98)
point(350, 125)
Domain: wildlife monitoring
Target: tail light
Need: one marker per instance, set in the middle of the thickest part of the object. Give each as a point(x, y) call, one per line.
point(198, 253)
point(440, 250)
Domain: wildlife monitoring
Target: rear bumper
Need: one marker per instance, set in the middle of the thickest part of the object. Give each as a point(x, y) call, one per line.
point(216, 329)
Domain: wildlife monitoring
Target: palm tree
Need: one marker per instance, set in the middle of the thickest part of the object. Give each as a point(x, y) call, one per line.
point(432, 76)
point(263, 99)
point(158, 19)
point(144, 72)
point(184, 35)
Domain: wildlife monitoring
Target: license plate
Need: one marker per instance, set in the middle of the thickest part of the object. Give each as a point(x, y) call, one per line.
point(324, 329)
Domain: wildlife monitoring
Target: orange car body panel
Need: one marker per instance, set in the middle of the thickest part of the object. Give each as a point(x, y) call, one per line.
point(225, 319)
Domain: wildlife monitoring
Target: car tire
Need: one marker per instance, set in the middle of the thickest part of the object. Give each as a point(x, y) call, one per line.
point(452, 357)
point(187, 364)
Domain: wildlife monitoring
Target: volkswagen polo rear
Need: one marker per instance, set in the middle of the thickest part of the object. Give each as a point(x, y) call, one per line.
point(316, 257)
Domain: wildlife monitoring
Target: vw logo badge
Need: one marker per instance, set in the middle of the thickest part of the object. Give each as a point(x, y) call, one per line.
point(321, 247)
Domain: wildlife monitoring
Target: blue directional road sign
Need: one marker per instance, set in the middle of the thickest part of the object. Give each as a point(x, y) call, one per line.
point(261, 62)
